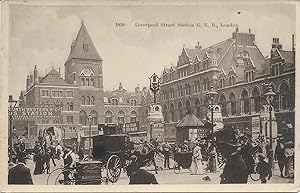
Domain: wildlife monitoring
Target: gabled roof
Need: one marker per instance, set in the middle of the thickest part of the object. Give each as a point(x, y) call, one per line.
point(83, 47)
point(190, 120)
point(53, 77)
point(288, 56)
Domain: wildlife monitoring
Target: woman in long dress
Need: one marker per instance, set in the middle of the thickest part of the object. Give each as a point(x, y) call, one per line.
point(196, 166)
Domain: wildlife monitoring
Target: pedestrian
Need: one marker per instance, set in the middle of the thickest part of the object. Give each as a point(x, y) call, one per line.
point(185, 146)
point(138, 175)
point(176, 148)
point(47, 158)
point(69, 163)
point(166, 152)
point(20, 174)
point(212, 158)
point(38, 159)
point(58, 151)
point(246, 153)
point(80, 153)
point(280, 156)
point(263, 169)
point(289, 154)
point(52, 153)
point(196, 166)
point(235, 170)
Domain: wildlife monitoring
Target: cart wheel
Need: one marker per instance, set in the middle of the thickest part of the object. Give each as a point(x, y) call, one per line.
point(52, 174)
point(87, 158)
point(176, 168)
point(113, 168)
point(254, 176)
point(60, 179)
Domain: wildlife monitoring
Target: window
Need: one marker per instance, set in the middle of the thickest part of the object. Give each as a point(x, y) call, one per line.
point(82, 100)
point(249, 76)
point(284, 97)
point(88, 100)
point(92, 100)
point(70, 106)
point(180, 111)
point(121, 117)
point(256, 98)
point(133, 116)
point(108, 117)
point(245, 106)
point(69, 119)
point(94, 120)
point(44, 93)
point(56, 93)
point(114, 101)
point(92, 82)
point(232, 104)
point(205, 84)
point(222, 82)
point(172, 113)
point(231, 80)
point(87, 77)
point(69, 94)
point(133, 102)
point(82, 82)
point(223, 105)
point(83, 118)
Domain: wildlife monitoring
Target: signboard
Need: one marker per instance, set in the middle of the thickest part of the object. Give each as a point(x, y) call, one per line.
point(255, 127)
point(35, 113)
point(131, 127)
point(89, 173)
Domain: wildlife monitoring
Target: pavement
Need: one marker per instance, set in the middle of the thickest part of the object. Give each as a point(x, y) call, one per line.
point(163, 177)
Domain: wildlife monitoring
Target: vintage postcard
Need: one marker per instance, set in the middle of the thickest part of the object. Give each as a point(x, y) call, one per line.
point(137, 96)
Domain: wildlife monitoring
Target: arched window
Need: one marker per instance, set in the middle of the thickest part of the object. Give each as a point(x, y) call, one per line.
point(86, 75)
point(82, 100)
point(245, 106)
point(198, 109)
point(121, 117)
point(108, 117)
point(188, 106)
point(223, 104)
point(133, 116)
point(232, 104)
point(256, 100)
point(70, 106)
point(180, 110)
point(88, 100)
point(83, 117)
point(94, 118)
point(92, 100)
point(205, 84)
point(172, 113)
point(165, 113)
point(284, 96)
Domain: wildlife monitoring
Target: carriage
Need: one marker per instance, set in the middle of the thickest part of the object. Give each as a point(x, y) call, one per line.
point(182, 160)
point(103, 166)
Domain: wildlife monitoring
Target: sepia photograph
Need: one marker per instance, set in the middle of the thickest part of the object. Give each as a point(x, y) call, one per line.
point(148, 93)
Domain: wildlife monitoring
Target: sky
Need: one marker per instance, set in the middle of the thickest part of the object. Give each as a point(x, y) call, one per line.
point(42, 35)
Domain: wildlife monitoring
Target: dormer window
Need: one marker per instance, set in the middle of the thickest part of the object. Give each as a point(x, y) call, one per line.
point(222, 82)
point(114, 101)
point(276, 69)
point(133, 102)
point(249, 76)
point(231, 80)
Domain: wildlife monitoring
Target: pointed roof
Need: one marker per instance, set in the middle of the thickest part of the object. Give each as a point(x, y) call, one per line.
point(53, 77)
point(83, 47)
point(190, 120)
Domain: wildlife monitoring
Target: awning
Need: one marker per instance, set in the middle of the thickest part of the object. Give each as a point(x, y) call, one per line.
point(191, 121)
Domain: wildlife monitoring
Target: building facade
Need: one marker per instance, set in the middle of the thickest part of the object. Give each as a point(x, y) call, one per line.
point(81, 97)
point(236, 69)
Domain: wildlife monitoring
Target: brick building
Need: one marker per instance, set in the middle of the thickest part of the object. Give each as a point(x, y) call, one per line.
point(236, 69)
point(80, 96)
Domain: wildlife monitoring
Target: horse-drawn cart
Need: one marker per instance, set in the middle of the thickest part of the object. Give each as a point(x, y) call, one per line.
point(105, 164)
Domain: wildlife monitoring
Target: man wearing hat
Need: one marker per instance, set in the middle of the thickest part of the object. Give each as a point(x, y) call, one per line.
point(138, 175)
point(263, 169)
point(185, 147)
point(20, 174)
point(235, 170)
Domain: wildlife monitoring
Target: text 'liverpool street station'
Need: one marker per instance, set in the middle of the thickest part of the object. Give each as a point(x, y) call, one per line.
point(220, 110)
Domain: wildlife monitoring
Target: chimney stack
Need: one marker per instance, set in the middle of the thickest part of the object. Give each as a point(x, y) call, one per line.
point(276, 44)
point(35, 76)
point(198, 47)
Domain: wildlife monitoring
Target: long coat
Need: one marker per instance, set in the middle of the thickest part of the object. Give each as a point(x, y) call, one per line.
point(142, 177)
point(235, 171)
point(19, 174)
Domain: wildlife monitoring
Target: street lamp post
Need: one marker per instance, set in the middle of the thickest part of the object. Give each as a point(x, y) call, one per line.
point(90, 134)
point(269, 98)
point(12, 104)
point(211, 95)
point(213, 160)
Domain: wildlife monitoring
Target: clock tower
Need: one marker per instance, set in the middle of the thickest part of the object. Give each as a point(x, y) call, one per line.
point(84, 68)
